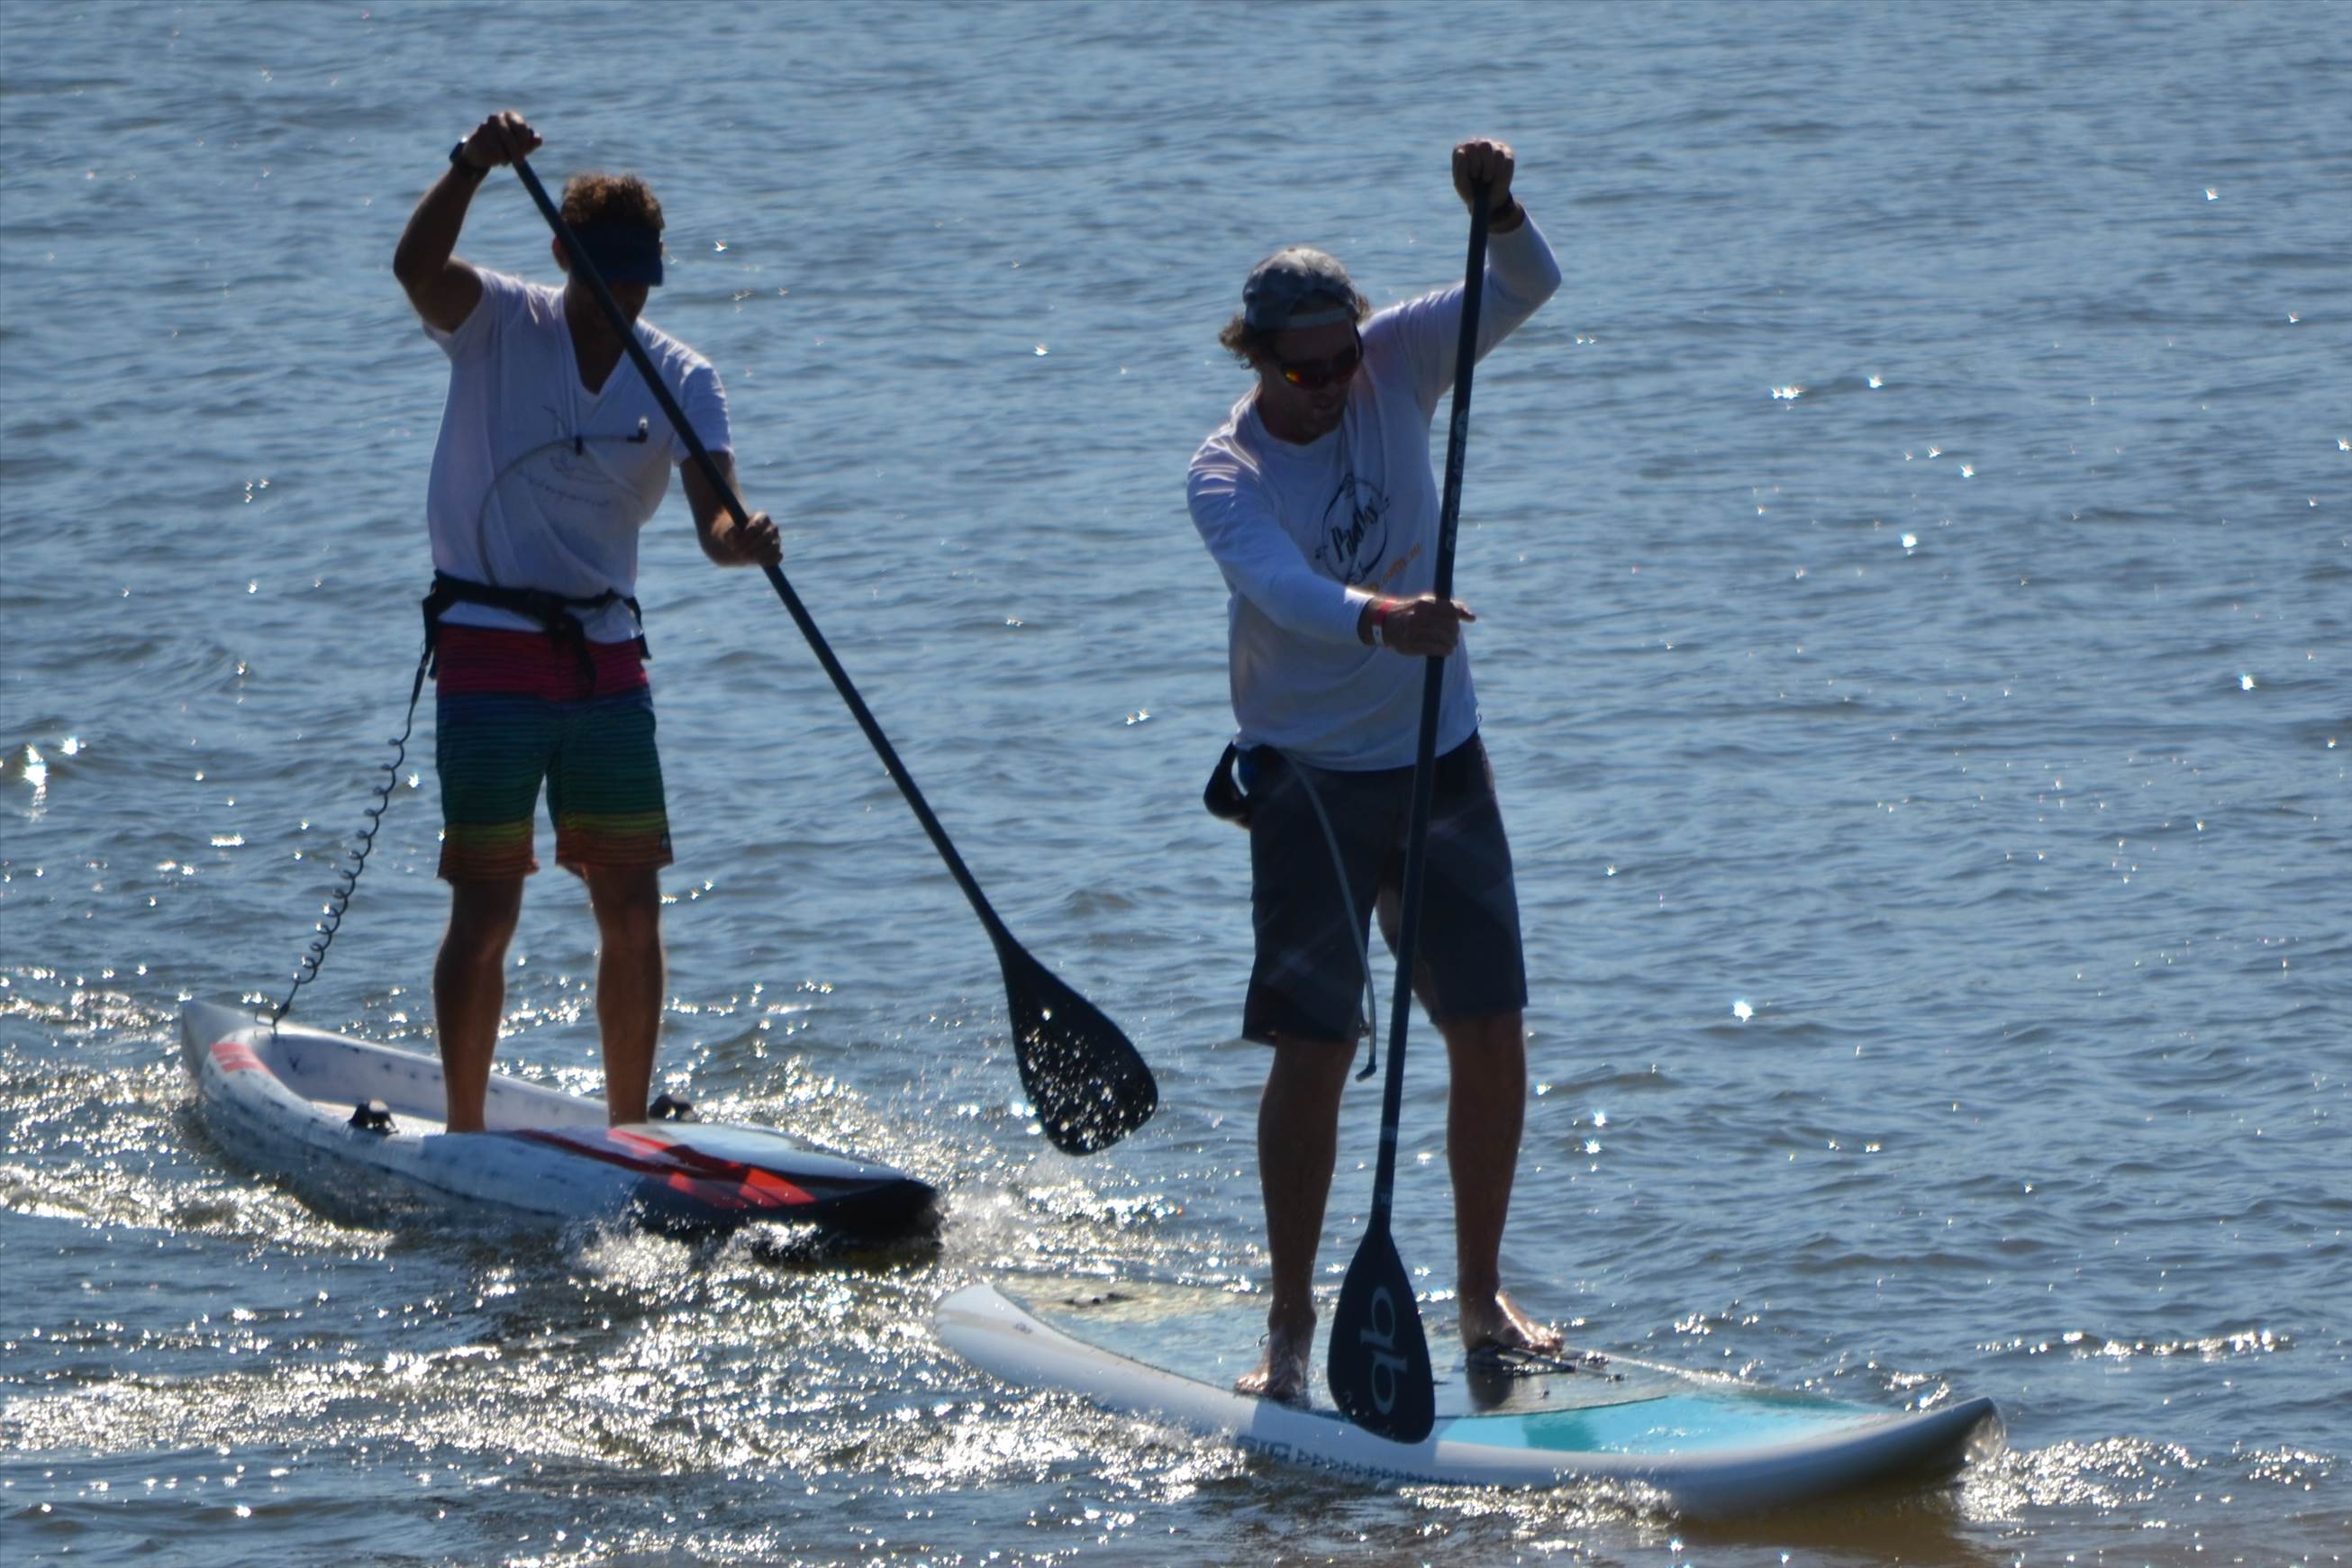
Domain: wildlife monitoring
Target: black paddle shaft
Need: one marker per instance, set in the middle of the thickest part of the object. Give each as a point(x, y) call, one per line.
point(1378, 1363)
point(1089, 1084)
point(1432, 686)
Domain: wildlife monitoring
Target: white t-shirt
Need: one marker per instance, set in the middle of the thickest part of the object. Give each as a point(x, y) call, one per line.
point(1305, 534)
point(536, 481)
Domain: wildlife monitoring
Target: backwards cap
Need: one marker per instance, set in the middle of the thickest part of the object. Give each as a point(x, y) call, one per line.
point(1298, 286)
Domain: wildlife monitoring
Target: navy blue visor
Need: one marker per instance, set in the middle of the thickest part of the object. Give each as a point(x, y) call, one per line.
point(624, 253)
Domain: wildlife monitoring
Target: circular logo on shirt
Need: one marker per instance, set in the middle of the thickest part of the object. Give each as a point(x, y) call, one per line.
point(1354, 538)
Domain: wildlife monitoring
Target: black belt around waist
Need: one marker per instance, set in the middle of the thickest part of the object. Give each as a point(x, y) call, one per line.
point(551, 612)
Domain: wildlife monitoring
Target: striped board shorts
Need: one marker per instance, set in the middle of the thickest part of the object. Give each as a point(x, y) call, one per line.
point(512, 709)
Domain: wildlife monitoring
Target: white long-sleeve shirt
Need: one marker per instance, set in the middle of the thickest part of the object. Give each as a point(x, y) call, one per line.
point(1306, 534)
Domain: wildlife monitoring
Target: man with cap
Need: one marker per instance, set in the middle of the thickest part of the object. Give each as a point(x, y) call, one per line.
point(1317, 499)
point(552, 455)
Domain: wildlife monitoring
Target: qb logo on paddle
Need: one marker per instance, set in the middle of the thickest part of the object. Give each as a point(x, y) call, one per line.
point(1380, 1333)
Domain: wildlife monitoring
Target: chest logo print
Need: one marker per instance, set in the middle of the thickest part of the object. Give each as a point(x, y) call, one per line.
point(1353, 540)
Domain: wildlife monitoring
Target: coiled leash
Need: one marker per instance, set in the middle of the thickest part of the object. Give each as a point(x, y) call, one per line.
point(1227, 798)
point(348, 876)
point(550, 611)
point(553, 613)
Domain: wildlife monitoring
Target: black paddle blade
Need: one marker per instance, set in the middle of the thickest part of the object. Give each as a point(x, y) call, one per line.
point(1379, 1367)
point(1089, 1085)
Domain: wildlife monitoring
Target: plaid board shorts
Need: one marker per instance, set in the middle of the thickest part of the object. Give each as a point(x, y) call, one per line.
point(1308, 980)
point(512, 709)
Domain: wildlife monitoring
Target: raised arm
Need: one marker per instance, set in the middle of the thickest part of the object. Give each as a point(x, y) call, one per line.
point(1521, 273)
point(444, 289)
point(1482, 161)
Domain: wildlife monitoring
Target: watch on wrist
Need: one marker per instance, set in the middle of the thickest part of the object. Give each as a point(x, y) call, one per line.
point(457, 159)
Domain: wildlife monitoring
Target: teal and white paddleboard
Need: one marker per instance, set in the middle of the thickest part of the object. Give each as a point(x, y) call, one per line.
point(1710, 1445)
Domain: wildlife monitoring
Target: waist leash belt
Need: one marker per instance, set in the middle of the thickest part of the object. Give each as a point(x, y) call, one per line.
point(1224, 797)
point(551, 612)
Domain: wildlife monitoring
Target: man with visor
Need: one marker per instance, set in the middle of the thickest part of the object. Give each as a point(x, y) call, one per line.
point(552, 454)
point(1317, 499)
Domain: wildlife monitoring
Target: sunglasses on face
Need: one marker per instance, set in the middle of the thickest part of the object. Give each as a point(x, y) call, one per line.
point(1314, 375)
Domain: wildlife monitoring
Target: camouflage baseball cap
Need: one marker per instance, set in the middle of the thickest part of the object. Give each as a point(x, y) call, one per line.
point(1298, 286)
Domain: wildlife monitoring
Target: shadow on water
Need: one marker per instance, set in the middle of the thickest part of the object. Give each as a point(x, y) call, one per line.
point(1887, 1524)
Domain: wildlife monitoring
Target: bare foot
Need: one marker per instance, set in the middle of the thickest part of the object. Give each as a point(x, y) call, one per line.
point(1281, 1372)
point(1499, 1324)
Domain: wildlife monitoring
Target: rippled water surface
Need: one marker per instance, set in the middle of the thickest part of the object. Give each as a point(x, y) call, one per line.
point(1913, 555)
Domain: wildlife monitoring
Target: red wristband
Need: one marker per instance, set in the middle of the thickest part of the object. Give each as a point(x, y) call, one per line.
point(1379, 620)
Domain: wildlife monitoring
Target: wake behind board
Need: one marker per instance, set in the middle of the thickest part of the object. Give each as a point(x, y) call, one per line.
point(292, 1098)
point(1711, 1446)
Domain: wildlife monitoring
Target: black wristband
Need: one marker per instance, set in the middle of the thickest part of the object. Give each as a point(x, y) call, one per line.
point(457, 159)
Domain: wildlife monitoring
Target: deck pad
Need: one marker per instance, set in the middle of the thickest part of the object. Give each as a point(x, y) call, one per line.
point(1708, 1444)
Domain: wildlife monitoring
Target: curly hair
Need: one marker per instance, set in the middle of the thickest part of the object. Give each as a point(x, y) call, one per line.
point(596, 197)
point(1251, 347)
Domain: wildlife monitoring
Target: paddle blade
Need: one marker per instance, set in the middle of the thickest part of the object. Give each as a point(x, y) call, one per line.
point(1379, 1367)
point(1089, 1085)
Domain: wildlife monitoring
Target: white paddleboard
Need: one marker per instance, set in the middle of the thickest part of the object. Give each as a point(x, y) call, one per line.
point(292, 1101)
point(1711, 1446)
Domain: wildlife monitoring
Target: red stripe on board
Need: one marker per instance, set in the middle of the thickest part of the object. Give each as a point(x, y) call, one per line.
point(723, 1183)
point(235, 1056)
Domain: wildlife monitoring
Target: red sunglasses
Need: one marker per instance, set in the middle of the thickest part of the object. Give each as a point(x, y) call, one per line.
point(1314, 375)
